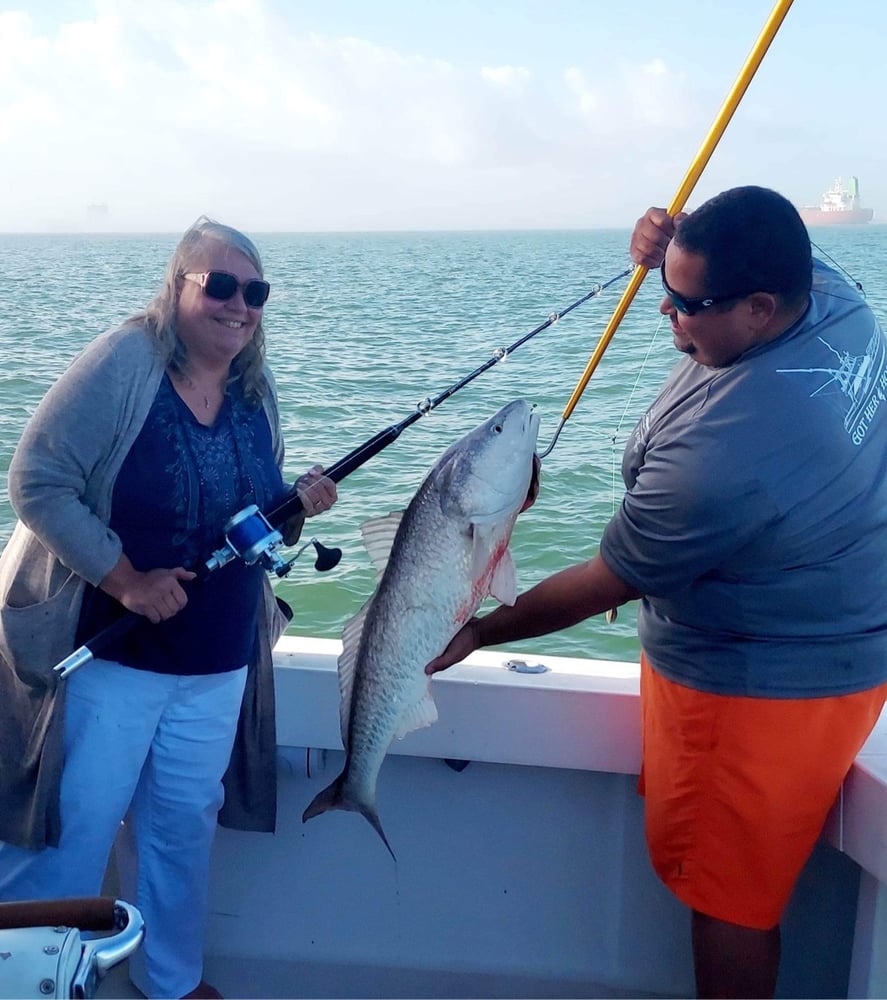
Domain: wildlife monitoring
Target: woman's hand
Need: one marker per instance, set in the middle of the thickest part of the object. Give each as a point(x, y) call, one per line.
point(316, 491)
point(157, 594)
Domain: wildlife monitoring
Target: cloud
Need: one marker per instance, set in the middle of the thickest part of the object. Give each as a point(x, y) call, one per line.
point(514, 78)
point(168, 109)
point(644, 101)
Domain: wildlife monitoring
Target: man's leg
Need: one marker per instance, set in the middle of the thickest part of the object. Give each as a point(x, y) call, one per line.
point(734, 961)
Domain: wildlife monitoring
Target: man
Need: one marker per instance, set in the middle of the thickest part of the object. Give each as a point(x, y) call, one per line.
point(753, 531)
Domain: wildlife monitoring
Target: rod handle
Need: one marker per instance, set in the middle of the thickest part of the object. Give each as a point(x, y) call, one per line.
point(91, 649)
point(89, 913)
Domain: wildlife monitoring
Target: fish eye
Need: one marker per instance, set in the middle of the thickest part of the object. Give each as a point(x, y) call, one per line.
point(497, 428)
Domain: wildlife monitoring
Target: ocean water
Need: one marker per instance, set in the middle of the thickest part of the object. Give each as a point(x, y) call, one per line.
point(361, 328)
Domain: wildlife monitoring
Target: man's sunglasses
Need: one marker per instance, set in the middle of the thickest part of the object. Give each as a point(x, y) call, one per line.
point(689, 307)
point(223, 286)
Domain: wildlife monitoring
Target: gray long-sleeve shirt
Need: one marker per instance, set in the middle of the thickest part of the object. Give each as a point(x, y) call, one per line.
point(755, 515)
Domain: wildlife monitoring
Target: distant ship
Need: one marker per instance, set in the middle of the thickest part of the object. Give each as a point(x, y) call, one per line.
point(839, 207)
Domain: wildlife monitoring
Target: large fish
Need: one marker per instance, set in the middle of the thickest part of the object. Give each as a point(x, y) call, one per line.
point(440, 558)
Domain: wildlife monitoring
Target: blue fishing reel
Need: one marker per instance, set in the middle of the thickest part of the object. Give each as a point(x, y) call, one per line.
point(250, 537)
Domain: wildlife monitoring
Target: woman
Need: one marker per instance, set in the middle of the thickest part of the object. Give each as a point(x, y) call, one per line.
point(123, 479)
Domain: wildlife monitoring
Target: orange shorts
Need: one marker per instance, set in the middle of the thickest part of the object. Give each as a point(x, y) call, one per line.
point(737, 790)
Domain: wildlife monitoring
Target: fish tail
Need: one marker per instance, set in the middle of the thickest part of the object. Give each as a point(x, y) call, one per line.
point(334, 797)
point(376, 824)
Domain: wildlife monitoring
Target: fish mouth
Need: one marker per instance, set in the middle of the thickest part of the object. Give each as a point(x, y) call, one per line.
point(535, 481)
point(534, 422)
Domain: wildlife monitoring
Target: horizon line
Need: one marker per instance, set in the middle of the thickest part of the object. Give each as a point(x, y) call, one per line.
point(321, 232)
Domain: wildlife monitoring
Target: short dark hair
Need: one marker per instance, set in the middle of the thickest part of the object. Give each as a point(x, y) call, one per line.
point(753, 240)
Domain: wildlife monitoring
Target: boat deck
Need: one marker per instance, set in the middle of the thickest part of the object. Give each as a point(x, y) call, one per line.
point(237, 978)
point(523, 875)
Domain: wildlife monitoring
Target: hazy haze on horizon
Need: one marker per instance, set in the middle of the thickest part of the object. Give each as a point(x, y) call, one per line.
point(411, 114)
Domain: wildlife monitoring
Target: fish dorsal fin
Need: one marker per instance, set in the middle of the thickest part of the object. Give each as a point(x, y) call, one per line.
point(420, 716)
point(347, 663)
point(378, 536)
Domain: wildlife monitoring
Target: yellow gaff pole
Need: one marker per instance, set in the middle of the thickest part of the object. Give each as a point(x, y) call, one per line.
point(689, 182)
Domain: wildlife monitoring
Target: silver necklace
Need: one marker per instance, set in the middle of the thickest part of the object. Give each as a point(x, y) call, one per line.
point(190, 384)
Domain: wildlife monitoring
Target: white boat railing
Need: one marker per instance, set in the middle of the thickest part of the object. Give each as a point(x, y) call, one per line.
point(526, 871)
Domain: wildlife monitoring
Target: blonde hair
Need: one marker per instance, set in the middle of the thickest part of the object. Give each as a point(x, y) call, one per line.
point(159, 316)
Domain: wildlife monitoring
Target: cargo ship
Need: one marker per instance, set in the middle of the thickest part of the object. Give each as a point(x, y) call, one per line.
point(839, 207)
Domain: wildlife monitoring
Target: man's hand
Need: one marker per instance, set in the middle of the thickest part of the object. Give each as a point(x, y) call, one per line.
point(463, 644)
point(652, 233)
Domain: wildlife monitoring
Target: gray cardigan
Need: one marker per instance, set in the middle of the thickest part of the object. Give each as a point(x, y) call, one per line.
point(61, 481)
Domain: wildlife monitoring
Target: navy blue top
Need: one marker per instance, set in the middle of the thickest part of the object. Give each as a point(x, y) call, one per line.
point(178, 486)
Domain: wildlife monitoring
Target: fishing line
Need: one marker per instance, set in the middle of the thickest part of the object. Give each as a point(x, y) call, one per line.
point(364, 452)
point(613, 453)
point(722, 119)
point(621, 421)
point(611, 613)
point(856, 284)
point(254, 537)
point(260, 545)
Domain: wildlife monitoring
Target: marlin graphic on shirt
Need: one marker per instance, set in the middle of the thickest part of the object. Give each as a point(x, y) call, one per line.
point(859, 382)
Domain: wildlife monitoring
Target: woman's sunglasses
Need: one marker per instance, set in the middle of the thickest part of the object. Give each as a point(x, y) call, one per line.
point(689, 307)
point(223, 286)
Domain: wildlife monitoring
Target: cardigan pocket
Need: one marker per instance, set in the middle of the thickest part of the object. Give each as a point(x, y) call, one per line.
point(35, 638)
point(40, 602)
point(39, 608)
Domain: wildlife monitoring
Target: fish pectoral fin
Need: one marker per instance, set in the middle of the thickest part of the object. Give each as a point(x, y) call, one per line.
point(378, 536)
point(420, 716)
point(503, 577)
point(503, 585)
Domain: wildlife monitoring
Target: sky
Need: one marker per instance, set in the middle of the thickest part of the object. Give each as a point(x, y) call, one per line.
point(340, 115)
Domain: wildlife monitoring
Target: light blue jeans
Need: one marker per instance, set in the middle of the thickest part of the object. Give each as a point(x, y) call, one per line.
point(151, 748)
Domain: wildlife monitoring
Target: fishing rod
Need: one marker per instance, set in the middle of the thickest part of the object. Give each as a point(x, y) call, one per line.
point(255, 537)
point(722, 119)
point(356, 458)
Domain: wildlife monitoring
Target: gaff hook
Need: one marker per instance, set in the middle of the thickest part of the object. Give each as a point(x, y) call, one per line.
point(550, 448)
point(722, 119)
